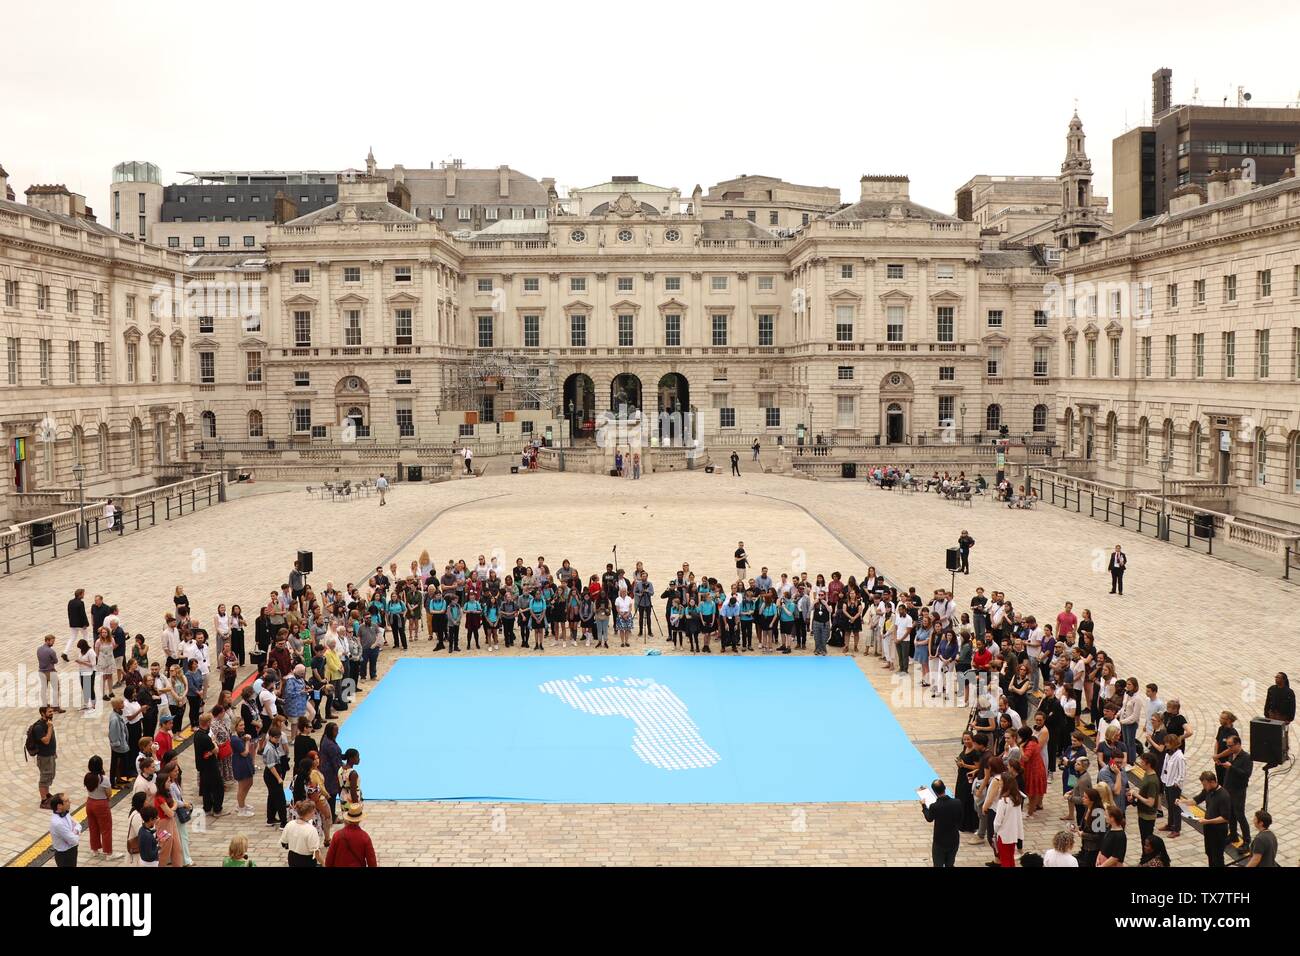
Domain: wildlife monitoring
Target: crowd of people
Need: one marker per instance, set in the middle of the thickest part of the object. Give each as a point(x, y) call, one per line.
point(1046, 699)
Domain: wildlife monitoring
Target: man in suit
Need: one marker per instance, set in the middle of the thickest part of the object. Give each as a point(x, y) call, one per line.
point(1117, 565)
point(945, 813)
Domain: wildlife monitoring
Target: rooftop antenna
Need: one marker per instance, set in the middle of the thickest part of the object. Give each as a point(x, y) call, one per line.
point(1196, 93)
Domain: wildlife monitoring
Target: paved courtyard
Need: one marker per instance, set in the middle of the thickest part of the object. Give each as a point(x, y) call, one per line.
point(1208, 632)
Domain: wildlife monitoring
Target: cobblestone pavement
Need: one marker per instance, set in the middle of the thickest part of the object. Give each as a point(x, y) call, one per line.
point(237, 553)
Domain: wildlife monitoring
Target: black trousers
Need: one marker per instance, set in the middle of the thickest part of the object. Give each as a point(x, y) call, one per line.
point(735, 468)
point(944, 857)
point(212, 789)
point(1116, 581)
point(1238, 825)
point(121, 765)
point(237, 643)
point(1216, 841)
point(747, 634)
point(508, 628)
point(965, 561)
point(643, 621)
point(398, 624)
point(66, 858)
point(276, 808)
point(1172, 810)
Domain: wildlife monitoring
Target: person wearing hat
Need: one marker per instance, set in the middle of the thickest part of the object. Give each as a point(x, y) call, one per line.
point(163, 742)
point(351, 846)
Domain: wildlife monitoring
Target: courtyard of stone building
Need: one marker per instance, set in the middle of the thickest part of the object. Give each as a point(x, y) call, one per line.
point(1208, 631)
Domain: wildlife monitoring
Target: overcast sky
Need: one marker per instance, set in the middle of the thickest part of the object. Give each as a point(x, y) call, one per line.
point(814, 92)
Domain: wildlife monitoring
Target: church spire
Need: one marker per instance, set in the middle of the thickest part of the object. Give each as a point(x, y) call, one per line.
point(1077, 223)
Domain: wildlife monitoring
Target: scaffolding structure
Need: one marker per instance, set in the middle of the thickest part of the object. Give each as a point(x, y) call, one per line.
point(516, 381)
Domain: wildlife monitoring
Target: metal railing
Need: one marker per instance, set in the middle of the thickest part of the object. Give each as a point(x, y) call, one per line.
point(29, 543)
point(1144, 511)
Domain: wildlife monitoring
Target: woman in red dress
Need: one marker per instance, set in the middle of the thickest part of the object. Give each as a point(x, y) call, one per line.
point(1034, 770)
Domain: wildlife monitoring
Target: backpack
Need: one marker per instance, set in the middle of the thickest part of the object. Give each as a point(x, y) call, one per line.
point(34, 734)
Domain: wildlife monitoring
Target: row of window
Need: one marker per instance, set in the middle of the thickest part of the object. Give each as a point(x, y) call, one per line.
point(72, 365)
point(232, 198)
point(1260, 355)
point(44, 300)
point(896, 315)
point(896, 270)
point(1230, 292)
point(1197, 461)
point(200, 242)
point(773, 216)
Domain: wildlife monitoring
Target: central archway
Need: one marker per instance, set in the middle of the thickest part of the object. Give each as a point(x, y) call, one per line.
point(674, 393)
point(580, 405)
point(625, 392)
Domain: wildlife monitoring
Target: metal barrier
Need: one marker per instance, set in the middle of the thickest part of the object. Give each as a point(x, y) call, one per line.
point(33, 542)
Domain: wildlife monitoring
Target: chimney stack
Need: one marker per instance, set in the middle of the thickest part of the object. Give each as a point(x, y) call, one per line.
point(503, 181)
point(1162, 83)
point(451, 180)
point(1185, 198)
point(54, 198)
point(885, 188)
point(4, 184)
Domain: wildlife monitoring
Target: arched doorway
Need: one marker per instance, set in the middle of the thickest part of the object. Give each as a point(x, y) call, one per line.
point(352, 407)
point(580, 405)
point(895, 425)
point(625, 393)
point(674, 422)
point(674, 393)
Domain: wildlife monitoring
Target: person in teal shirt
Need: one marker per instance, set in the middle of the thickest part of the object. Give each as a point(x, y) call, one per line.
point(490, 617)
point(453, 625)
point(438, 619)
point(747, 608)
point(788, 610)
point(537, 620)
point(397, 619)
point(473, 620)
point(708, 617)
point(767, 622)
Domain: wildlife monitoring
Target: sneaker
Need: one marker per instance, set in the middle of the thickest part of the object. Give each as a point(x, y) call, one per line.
point(116, 856)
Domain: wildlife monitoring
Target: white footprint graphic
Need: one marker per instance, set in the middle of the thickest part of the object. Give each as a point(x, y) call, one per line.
point(666, 737)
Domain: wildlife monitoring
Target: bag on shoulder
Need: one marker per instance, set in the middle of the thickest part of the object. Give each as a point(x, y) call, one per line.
point(34, 734)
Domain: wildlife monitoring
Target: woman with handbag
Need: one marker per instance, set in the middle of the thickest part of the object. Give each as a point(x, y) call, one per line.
point(135, 820)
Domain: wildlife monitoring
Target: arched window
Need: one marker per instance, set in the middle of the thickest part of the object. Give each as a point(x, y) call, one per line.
point(1069, 430)
point(1167, 440)
point(1144, 441)
point(1112, 436)
point(180, 437)
point(208, 425)
point(993, 418)
point(254, 424)
point(136, 441)
point(1040, 418)
point(77, 446)
point(1295, 462)
point(103, 449)
point(1261, 457)
point(1194, 449)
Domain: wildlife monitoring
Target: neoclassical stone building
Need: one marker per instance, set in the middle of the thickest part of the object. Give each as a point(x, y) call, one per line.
point(94, 372)
point(885, 321)
point(1180, 340)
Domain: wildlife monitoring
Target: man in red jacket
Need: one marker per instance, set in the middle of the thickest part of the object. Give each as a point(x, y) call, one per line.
point(351, 846)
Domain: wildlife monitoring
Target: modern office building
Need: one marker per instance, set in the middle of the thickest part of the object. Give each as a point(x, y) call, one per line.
point(1184, 144)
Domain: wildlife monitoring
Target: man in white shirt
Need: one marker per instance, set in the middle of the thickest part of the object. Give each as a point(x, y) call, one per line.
point(197, 650)
point(381, 486)
point(903, 624)
point(171, 642)
point(1034, 650)
point(1004, 707)
point(468, 455)
point(1108, 720)
point(1130, 716)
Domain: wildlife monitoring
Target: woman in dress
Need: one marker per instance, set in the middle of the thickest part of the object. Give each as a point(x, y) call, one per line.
point(221, 627)
point(851, 623)
point(220, 730)
point(86, 673)
point(1018, 691)
point(968, 764)
point(1035, 772)
point(105, 666)
point(169, 840)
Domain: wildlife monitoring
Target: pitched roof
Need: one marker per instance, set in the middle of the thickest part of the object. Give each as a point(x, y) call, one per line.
point(474, 187)
point(732, 229)
point(880, 208)
point(365, 212)
point(22, 209)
